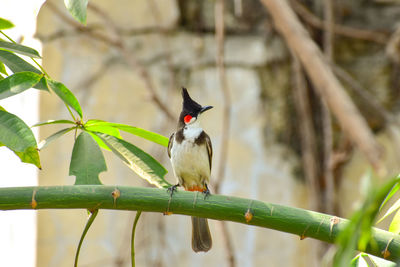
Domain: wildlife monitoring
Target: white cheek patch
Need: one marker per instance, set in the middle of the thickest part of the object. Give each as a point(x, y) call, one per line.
point(193, 119)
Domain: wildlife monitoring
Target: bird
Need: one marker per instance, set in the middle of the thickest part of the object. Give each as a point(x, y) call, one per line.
point(190, 152)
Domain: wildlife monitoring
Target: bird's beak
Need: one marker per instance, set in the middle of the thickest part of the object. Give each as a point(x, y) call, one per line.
point(205, 108)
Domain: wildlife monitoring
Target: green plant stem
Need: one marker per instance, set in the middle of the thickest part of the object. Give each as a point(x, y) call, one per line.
point(8, 37)
point(303, 223)
point(70, 112)
point(138, 213)
point(40, 67)
point(89, 222)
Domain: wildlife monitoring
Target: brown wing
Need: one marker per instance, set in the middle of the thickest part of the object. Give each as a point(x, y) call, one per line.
point(209, 148)
point(170, 143)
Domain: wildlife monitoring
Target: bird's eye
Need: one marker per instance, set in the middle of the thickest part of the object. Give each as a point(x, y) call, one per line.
point(187, 118)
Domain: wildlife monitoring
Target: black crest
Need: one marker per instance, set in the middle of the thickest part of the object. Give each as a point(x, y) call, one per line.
point(189, 105)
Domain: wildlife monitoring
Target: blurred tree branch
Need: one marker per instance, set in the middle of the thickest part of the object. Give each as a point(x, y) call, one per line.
point(327, 174)
point(326, 84)
point(226, 119)
point(116, 41)
point(313, 20)
point(307, 134)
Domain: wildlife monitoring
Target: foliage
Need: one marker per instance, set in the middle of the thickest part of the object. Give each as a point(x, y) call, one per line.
point(358, 233)
point(87, 160)
point(18, 137)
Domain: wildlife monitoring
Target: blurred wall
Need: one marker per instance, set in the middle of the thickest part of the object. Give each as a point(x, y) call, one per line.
point(173, 43)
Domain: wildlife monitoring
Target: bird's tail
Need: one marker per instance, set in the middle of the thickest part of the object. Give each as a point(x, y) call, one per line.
point(201, 236)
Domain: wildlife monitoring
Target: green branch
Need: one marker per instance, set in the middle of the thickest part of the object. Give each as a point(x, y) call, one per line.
point(303, 223)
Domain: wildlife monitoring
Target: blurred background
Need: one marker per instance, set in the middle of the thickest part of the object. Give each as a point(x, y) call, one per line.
point(274, 138)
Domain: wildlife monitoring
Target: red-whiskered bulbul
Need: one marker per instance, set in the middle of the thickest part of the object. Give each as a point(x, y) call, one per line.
point(190, 151)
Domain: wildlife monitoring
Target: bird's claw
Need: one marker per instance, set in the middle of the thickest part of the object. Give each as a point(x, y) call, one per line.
point(172, 189)
point(206, 192)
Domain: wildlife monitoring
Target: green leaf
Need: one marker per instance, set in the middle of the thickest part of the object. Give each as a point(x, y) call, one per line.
point(53, 122)
point(357, 233)
point(5, 24)
point(42, 85)
point(17, 64)
point(53, 137)
point(99, 141)
point(66, 95)
point(363, 260)
point(77, 8)
point(17, 83)
point(392, 209)
point(395, 223)
point(20, 49)
point(102, 129)
point(14, 133)
point(139, 161)
point(379, 262)
point(359, 261)
point(3, 68)
point(393, 191)
point(87, 160)
point(30, 155)
point(154, 137)
point(18, 137)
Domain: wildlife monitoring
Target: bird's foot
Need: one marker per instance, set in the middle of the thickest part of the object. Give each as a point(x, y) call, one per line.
point(172, 189)
point(206, 192)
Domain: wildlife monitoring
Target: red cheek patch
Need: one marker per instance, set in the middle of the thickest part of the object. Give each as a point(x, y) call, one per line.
point(187, 118)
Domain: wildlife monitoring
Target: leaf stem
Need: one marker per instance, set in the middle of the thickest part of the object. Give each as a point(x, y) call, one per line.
point(41, 68)
point(93, 214)
point(138, 213)
point(8, 37)
point(70, 112)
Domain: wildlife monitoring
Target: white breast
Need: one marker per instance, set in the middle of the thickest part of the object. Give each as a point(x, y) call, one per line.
point(191, 133)
point(190, 161)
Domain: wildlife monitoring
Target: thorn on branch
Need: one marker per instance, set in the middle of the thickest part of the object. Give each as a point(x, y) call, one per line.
point(115, 194)
point(334, 220)
point(386, 252)
point(91, 211)
point(303, 235)
point(248, 216)
point(34, 202)
point(319, 226)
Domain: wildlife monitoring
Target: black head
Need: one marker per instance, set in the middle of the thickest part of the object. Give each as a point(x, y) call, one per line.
point(189, 105)
point(190, 109)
